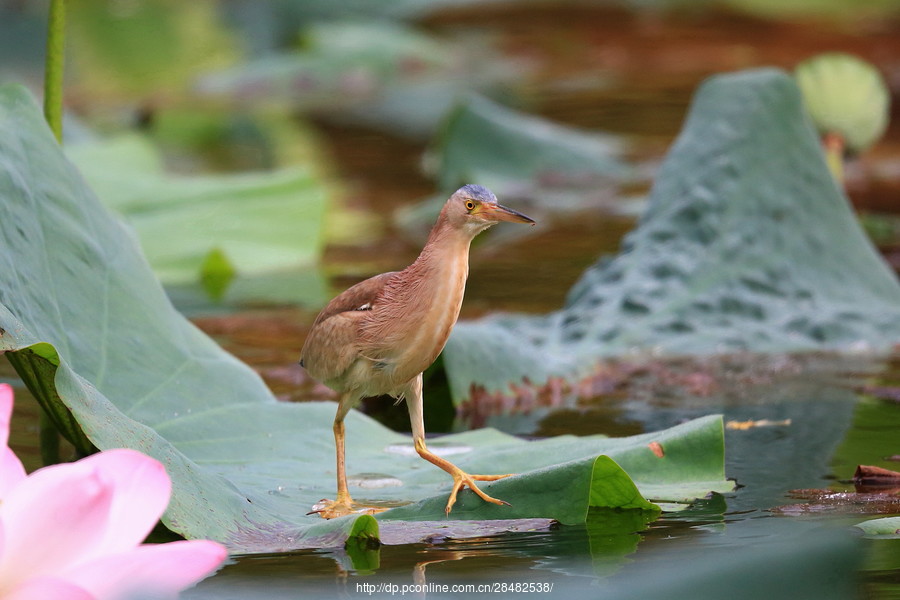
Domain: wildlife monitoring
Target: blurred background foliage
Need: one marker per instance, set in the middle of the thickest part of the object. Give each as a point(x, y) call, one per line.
point(275, 152)
point(384, 104)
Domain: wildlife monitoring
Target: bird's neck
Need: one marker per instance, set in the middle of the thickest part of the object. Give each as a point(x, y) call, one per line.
point(431, 293)
point(447, 248)
point(438, 276)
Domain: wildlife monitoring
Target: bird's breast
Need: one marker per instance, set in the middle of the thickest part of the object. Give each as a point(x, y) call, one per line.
point(435, 309)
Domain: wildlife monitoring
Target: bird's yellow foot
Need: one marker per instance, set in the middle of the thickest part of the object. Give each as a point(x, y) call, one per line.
point(331, 509)
point(462, 479)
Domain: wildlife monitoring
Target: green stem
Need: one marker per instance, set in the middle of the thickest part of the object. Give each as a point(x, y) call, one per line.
point(53, 72)
point(53, 112)
point(49, 440)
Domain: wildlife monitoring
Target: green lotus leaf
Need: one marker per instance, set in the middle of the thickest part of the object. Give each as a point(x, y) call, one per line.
point(746, 245)
point(190, 227)
point(95, 338)
point(494, 145)
point(883, 528)
point(543, 165)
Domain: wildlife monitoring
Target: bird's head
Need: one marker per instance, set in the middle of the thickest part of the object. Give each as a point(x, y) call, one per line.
point(473, 208)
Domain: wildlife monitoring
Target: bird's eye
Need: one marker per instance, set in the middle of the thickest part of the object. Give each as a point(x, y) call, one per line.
point(469, 205)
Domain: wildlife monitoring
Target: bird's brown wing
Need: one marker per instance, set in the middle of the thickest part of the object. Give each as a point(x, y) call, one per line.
point(331, 345)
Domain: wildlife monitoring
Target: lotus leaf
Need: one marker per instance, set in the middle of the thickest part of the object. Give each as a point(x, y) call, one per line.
point(194, 228)
point(883, 528)
point(747, 245)
point(93, 335)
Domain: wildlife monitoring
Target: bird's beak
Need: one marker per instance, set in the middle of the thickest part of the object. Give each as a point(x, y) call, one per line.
point(499, 212)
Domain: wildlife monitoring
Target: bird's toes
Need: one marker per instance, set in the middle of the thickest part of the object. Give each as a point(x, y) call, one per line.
point(490, 477)
point(331, 509)
point(462, 480)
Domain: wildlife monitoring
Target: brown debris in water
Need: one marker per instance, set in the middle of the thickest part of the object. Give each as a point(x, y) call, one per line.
point(871, 476)
point(829, 501)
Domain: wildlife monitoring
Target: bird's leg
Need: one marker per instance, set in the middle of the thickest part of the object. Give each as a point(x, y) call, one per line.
point(343, 494)
point(343, 504)
point(460, 478)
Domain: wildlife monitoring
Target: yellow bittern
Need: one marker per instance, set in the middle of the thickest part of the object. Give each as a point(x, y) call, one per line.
point(377, 337)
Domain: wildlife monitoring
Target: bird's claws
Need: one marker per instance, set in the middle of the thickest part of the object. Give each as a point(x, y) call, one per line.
point(462, 479)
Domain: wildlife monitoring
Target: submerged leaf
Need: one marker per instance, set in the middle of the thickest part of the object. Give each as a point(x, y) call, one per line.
point(746, 245)
point(84, 320)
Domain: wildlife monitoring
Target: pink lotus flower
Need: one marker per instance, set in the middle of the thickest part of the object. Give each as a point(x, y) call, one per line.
point(72, 531)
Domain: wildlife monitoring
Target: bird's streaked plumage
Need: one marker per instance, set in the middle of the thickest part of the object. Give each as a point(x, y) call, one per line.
point(379, 335)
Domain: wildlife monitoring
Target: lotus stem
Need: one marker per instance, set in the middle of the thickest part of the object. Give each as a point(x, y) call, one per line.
point(49, 437)
point(53, 112)
point(833, 144)
point(53, 71)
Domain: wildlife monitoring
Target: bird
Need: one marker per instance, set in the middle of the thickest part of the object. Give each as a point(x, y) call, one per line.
point(377, 337)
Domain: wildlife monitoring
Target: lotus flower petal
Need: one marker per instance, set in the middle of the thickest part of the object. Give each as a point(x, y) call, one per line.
point(43, 588)
point(71, 531)
point(156, 571)
point(11, 469)
point(141, 490)
point(50, 518)
point(6, 407)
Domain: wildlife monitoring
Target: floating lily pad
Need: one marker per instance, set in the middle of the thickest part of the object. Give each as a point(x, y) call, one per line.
point(884, 528)
point(746, 245)
point(91, 332)
point(258, 224)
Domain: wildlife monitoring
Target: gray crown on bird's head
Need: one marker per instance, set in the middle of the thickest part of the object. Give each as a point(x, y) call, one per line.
point(478, 192)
